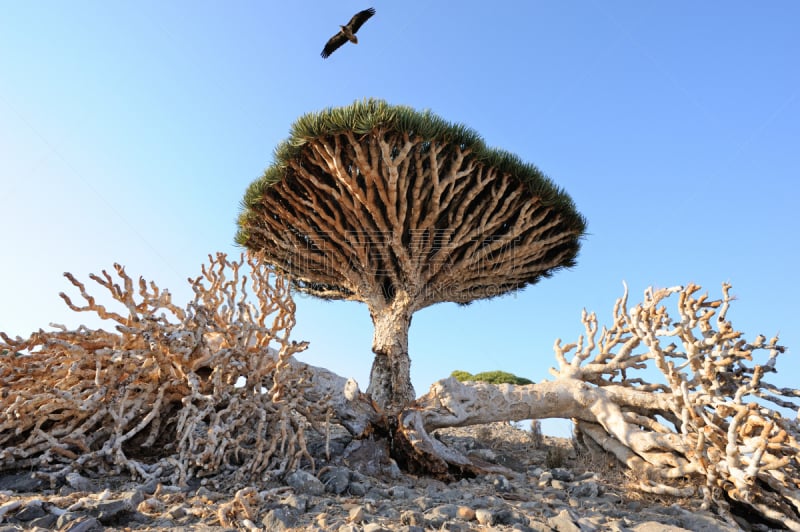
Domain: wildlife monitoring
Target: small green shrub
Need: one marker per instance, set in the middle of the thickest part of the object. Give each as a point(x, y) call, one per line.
point(492, 377)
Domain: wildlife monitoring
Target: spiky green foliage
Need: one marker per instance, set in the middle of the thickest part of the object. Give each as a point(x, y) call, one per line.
point(492, 377)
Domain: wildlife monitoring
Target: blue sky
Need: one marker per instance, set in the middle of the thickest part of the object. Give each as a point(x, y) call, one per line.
point(129, 132)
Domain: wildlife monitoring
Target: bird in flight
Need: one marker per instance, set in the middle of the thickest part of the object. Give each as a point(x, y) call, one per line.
point(348, 32)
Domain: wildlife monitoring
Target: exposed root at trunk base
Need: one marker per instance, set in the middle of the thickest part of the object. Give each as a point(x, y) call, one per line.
point(419, 453)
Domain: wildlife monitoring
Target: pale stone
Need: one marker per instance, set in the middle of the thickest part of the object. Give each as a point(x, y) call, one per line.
point(484, 517)
point(356, 514)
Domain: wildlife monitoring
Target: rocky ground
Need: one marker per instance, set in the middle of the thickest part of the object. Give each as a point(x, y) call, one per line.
point(553, 488)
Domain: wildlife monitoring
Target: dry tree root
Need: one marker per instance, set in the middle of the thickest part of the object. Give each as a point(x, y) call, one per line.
point(680, 400)
point(174, 393)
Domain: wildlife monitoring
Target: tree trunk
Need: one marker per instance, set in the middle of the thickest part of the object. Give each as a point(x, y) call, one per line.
point(390, 379)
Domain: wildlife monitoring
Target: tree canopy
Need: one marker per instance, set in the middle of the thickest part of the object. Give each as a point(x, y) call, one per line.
point(447, 170)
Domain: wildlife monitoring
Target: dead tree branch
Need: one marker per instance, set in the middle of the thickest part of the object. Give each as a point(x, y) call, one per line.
point(677, 397)
point(173, 393)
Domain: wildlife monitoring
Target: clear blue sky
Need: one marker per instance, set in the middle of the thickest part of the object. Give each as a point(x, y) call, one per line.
point(129, 132)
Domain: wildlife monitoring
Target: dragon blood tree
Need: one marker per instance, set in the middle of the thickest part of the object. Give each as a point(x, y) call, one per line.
point(400, 209)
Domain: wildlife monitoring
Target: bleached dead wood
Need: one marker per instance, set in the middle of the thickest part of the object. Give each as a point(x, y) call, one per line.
point(674, 398)
point(209, 389)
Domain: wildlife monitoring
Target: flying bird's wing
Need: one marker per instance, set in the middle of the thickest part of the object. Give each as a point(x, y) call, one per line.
point(347, 32)
point(360, 18)
point(333, 43)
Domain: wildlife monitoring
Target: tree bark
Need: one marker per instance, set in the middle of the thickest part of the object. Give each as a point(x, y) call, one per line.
point(390, 380)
